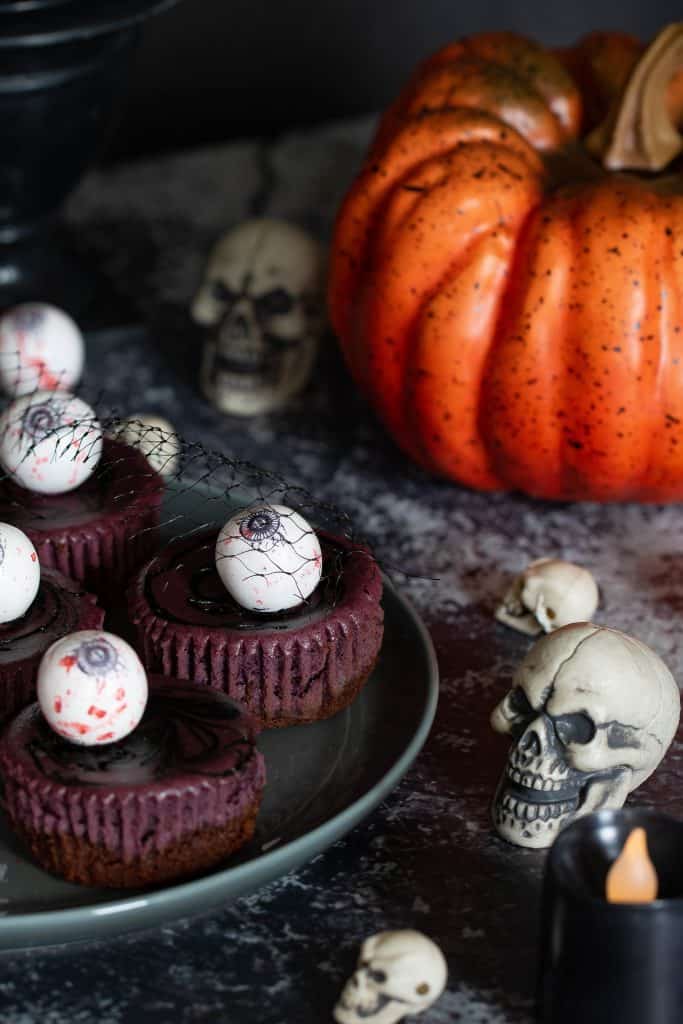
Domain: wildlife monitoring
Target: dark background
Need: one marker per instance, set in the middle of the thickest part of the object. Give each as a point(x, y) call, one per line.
point(210, 70)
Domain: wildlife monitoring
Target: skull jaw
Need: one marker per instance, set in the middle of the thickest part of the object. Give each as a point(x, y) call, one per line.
point(524, 621)
point(241, 392)
point(245, 395)
point(537, 829)
point(530, 824)
point(382, 1011)
point(513, 612)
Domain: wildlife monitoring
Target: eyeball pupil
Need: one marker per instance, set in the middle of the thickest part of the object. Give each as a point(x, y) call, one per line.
point(96, 655)
point(39, 421)
point(260, 525)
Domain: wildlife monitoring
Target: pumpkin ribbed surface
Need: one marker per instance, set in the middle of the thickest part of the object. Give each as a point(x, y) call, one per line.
point(512, 310)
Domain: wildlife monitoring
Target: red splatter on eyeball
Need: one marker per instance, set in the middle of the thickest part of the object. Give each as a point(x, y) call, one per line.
point(19, 573)
point(40, 347)
point(97, 666)
point(50, 442)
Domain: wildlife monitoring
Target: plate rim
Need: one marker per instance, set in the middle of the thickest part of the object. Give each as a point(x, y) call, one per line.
point(270, 865)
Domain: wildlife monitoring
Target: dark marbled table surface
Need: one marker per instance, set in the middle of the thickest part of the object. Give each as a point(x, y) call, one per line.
point(426, 858)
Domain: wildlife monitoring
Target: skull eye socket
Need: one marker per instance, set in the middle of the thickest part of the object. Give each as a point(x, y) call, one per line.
point(274, 303)
point(577, 728)
point(222, 293)
point(379, 976)
point(519, 702)
point(519, 711)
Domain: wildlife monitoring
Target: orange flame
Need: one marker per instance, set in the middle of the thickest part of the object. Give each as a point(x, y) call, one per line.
point(632, 877)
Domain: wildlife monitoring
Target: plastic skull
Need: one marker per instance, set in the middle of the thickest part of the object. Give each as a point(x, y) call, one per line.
point(549, 594)
point(591, 713)
point(398, 973)
point(263, 298)
point(155, 437)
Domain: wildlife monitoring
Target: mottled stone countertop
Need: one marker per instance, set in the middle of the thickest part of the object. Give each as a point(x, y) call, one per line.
point(426, 858)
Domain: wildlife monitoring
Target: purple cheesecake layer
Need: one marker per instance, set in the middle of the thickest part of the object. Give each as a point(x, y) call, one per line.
point(298, 666)
point(191, 765)
point(61, 606)
point(99, 533)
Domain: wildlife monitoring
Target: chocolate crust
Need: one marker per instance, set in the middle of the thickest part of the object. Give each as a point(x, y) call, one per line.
point(77, 860)
point(101, 532)
point(61, 606)
point(176, 796)
point(284, 671)
point(332, 707)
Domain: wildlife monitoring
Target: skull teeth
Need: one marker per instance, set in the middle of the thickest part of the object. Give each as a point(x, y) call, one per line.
point(530, 810)
point(539, 782)
point(540, 767)
point(519, 811)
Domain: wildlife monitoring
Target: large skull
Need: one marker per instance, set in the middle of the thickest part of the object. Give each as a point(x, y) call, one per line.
point(591, 713)
point(398, 973)
point(262, 297)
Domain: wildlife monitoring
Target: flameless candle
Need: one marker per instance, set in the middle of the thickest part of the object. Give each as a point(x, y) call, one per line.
point(632, 878)
point(605, 961)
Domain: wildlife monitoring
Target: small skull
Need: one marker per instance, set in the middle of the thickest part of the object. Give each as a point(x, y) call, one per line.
point(398, 973)
point(263, 299)
point(549, 594)
point(155, 438)
point(591, 714)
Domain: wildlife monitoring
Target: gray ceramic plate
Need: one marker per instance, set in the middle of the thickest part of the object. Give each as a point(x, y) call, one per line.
point(322, 780)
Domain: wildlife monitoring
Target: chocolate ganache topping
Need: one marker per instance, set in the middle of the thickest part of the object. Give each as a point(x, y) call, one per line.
point(183, 586)
point(185, 731)
point(123, 474)
point(55, 611)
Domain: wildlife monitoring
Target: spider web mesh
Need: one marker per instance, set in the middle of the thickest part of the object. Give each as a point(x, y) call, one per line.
point(202, 489)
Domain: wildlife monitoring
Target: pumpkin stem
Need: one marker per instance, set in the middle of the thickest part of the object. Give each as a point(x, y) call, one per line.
point(638, 133)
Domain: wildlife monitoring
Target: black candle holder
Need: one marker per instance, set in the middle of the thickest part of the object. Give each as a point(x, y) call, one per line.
point(62, 65)
point(607, 962)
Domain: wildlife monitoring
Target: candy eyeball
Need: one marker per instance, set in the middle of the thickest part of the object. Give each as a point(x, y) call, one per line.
point(40, 347)
point(19, 573)
point(92, 687)
point(155, 438)
point(50, 442)
point(268, 558)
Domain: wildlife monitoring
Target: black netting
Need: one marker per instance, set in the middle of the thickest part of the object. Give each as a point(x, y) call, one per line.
point(202, 488)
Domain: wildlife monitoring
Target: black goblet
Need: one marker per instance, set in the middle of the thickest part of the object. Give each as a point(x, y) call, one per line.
point(62, 65)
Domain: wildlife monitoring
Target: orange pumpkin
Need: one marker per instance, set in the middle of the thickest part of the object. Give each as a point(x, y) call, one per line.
point(507, 291)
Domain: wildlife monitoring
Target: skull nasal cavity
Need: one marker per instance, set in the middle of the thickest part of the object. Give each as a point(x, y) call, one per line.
point(238, 324)
point(531, 743)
